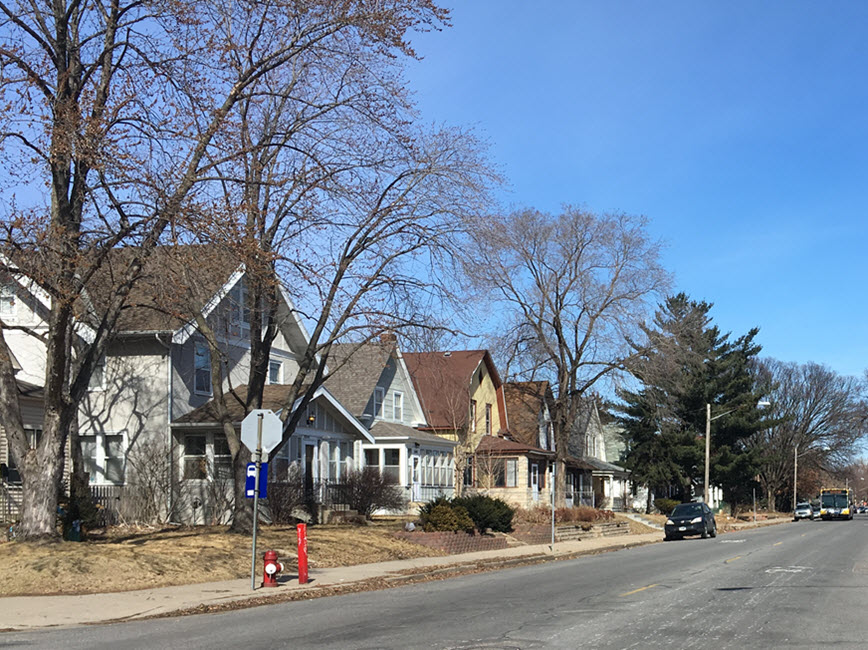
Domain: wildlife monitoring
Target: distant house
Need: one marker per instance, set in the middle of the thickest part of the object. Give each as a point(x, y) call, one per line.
point(373, 381)
point(611, 483)
point(529, 406)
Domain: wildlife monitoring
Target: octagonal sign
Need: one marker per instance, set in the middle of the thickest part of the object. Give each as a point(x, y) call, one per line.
point(272, 429)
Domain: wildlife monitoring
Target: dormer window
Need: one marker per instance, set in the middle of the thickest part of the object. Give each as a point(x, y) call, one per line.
point(379, 396)
point(239, 312)
point(202, 370)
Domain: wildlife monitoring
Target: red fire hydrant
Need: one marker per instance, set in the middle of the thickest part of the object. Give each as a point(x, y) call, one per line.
point(271, 569)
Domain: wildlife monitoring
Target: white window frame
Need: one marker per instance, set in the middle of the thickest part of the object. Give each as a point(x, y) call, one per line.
point(488, 419)
point(473, 416)
point(398, 406)
point(279, 364)
point(199, 347)
point(99, 476)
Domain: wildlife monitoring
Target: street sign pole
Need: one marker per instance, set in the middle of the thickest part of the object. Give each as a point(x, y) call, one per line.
point(256, 499)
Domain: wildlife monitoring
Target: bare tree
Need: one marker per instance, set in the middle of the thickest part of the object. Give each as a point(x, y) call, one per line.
point(349, 208)
point(119, 108)
point(816, 413)
point(573, 286)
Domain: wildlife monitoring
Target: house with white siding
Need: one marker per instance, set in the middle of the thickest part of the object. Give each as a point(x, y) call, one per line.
point(134, 426)
point(373, 381)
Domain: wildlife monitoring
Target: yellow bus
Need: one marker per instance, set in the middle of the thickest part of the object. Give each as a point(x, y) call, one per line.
point(835, 503)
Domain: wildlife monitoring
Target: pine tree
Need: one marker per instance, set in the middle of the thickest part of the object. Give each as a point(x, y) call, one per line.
point(691, 364)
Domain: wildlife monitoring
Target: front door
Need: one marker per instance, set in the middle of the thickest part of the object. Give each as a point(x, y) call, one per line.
point(534, 481)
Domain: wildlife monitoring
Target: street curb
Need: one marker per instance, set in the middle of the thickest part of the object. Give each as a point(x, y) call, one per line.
point(377, 583)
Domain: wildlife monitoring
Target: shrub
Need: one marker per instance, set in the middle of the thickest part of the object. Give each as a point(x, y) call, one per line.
point(366, 491)
point(487, 512)
point(665, 506)
point(535, 515)
point(286, 498)
point(426, 508)
point(446, 517)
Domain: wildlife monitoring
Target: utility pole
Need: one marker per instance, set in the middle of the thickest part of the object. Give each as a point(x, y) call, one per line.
point(707, 447)
point(795, 476)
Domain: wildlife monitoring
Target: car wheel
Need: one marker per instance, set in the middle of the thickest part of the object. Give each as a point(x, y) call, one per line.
point(666, 538)
point(714, 531)
point(705, 531)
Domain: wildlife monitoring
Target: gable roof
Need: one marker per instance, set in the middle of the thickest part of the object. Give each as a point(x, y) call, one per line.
point(357, 369)
point(524, 402)
point(442, 381)
point(497, 445)
point(274, 398)
point(164, 296)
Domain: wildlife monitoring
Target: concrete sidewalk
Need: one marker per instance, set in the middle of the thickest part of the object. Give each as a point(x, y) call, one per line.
point(28, 612)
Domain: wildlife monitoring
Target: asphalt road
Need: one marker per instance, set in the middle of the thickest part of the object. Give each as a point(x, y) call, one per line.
point(794, 585)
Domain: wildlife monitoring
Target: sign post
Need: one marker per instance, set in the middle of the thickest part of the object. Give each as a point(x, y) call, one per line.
point(256, 499)
point(261, 431)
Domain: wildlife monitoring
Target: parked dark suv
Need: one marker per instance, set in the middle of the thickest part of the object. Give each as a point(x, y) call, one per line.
point(690, 519)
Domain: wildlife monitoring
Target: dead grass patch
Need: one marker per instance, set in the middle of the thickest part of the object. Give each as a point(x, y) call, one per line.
point(125, 559)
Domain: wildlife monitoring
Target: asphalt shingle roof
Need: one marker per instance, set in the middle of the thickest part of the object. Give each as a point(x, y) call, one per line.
point(442, 381)
point(357, 369)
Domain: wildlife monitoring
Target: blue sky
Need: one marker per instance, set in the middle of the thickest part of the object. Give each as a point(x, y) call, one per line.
point(740, 129)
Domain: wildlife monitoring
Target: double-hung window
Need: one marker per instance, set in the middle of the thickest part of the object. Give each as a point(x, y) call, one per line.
point(511, 472)
point(239, 312)
point(488, 419)
point(379, 395)
point(202, 369)
point(195, 457)
point(275, 369)
point(104, 458)
point(472, 417)
point(397, 406)
point(392, 464)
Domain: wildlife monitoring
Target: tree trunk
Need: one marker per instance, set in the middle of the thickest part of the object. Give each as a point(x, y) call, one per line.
point(41, 492)
point(242, 511)
point(771, 502)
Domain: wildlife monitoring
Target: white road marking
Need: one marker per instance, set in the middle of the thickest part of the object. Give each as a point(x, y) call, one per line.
point(732, 541)
point(788, 569)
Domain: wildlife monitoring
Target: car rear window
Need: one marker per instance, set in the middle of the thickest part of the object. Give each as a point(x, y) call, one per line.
point(687, 509)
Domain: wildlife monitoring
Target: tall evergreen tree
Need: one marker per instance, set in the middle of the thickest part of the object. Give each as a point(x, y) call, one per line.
point(691, 364)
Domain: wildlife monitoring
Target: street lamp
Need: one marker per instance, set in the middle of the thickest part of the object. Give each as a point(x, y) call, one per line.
point(708, 420)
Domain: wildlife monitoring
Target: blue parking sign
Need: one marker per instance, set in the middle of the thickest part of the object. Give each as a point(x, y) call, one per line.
point(251, 478)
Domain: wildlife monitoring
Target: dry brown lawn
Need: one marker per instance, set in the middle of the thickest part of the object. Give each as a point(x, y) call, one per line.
point(134, 558)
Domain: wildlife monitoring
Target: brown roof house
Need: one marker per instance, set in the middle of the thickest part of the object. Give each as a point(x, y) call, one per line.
point(464, 400)
point(156, 371)
point(373, 381)
point(516, 465)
